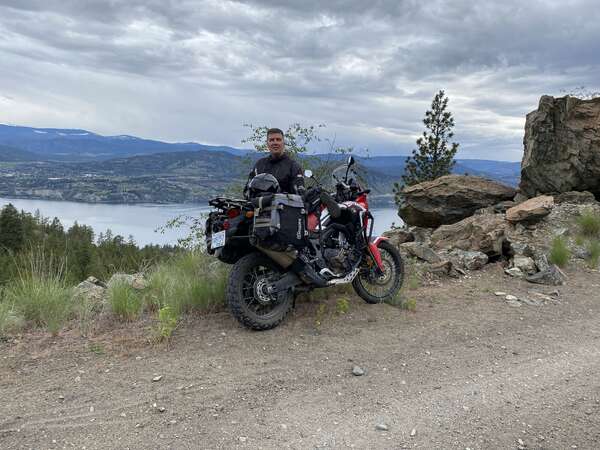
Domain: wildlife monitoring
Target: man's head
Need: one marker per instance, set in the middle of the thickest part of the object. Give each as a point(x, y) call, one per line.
point(275, 142)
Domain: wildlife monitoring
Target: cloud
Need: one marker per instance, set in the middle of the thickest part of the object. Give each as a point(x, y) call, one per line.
point(196, 70)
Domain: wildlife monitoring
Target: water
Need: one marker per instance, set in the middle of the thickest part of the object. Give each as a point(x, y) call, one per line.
point(142, 221)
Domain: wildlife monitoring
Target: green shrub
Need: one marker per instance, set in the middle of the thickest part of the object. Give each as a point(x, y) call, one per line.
point(167, 322)
point(124, 301)
point(593, 248)
point(589, 223)
point(191, 281)
point(559, 253)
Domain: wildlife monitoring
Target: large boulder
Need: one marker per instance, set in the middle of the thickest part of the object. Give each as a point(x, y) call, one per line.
point(481, 233)
point(562, 147)
point(449, 199)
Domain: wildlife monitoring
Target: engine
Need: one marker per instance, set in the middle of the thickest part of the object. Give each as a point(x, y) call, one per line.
point(339, 253)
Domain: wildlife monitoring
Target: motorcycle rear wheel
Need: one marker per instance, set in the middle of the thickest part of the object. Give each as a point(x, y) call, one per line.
point(247, 298)
point(374, 288)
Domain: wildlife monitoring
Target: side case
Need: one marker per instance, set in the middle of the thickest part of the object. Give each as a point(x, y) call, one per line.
point(281, 224)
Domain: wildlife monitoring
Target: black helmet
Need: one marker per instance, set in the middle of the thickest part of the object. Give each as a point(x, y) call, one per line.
point(263, 183)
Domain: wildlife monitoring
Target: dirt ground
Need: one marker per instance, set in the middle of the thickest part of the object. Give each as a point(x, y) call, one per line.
point(465, 370)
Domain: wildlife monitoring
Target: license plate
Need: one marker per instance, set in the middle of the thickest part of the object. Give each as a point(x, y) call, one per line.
point(218, 239)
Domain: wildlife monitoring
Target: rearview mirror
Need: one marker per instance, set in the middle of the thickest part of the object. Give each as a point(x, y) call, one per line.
point(308, 173)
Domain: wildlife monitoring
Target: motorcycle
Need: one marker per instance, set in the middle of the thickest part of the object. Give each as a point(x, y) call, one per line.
point(283, 244)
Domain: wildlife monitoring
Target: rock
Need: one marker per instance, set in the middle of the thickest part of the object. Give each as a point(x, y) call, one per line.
point(511, 298)
point(157, 378)
point(358, 371)
point(420, 234)
point(500, 294)
point(382, 427)
point(468, 259)
point(484, 233)
point(562, 143)
point(531, 210)
point(575, 197)
point(398, 236)
point(524, 263)
point(552, 276)
point(515, 303)
point(449, 199)
point(92, 291)
point(514, 272)
point(413, 432)
point(442, 268)
point(421, 251)
point(136, 280)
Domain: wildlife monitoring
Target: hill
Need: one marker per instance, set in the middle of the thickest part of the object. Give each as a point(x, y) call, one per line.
point(82, 145)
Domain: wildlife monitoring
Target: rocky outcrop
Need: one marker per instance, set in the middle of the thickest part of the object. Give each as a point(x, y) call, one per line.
point(481, 233)
point(449, 199)
point(398, 236)
point(531, 210)
point(562, 147)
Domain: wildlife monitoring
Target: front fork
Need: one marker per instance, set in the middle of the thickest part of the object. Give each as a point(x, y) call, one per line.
point(375, 254)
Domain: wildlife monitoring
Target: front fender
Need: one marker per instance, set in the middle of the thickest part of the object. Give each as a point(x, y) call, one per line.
point(374, 250)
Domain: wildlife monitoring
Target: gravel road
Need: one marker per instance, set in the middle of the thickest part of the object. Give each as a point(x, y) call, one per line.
point(465, 370)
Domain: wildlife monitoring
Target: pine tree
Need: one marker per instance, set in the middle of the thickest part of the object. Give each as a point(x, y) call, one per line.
point(433, 158)
point(11, 229)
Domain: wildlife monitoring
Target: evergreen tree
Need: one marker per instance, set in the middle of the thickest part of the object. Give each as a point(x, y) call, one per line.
point(433, 158)
point(11, 229)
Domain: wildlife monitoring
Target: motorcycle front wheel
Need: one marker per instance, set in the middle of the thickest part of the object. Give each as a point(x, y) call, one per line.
point(247, 295)
point(373, 287)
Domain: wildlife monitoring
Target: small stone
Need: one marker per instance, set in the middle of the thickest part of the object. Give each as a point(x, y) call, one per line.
point(358, 371)
point(91, 409)
point(123, 415)
point(520, 442)
point(511, 298)
point(242, 438)
point(157, 378)
point(162, 409)
point(413, 432)
point(500, 294)
point(382, 427)
point(61, 397)
point(514, 272)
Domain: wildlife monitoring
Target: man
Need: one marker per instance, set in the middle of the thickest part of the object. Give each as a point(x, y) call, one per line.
point(287, 171)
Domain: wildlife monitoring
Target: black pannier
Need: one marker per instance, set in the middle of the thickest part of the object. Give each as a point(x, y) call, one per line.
point(279, 221)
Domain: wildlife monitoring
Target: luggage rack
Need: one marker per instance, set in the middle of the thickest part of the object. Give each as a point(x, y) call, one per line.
point(227, 203)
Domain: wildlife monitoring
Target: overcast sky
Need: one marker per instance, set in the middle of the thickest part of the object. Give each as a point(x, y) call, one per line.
point(197, 70)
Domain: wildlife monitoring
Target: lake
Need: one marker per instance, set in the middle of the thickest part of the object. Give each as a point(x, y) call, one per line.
point(141, 221)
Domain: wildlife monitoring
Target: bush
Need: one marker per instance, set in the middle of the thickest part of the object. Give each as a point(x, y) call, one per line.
point(559, 253)
point(589, 223)
point(190, 281)
point(45, 300)
point(167, 322)
point(593, 249)
point(124, 301)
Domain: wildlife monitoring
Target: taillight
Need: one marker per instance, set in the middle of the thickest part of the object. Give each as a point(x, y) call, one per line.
point(362, 200)
point(226, 224)
point(232, 213)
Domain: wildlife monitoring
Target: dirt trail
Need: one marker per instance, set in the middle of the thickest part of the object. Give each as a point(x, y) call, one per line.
point(466, 370)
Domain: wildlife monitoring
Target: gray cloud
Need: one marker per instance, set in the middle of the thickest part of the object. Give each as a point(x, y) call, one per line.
point(197, 70)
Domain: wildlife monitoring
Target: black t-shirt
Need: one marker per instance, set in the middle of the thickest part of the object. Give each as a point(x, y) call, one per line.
point(287, 171)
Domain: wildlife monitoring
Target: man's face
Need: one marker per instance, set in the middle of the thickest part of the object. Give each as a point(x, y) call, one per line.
point(275, 144)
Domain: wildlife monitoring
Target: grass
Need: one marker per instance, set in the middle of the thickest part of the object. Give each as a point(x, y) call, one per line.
point(342, 306)
point(593, 248)
point(124, 301)
point(559, 252)
point(10, 320)
point(188, 282)
point(167, 323)
point(589, 224)
point(409, 304)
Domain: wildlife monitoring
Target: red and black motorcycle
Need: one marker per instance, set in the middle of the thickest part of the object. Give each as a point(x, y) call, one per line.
point(282, 244)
